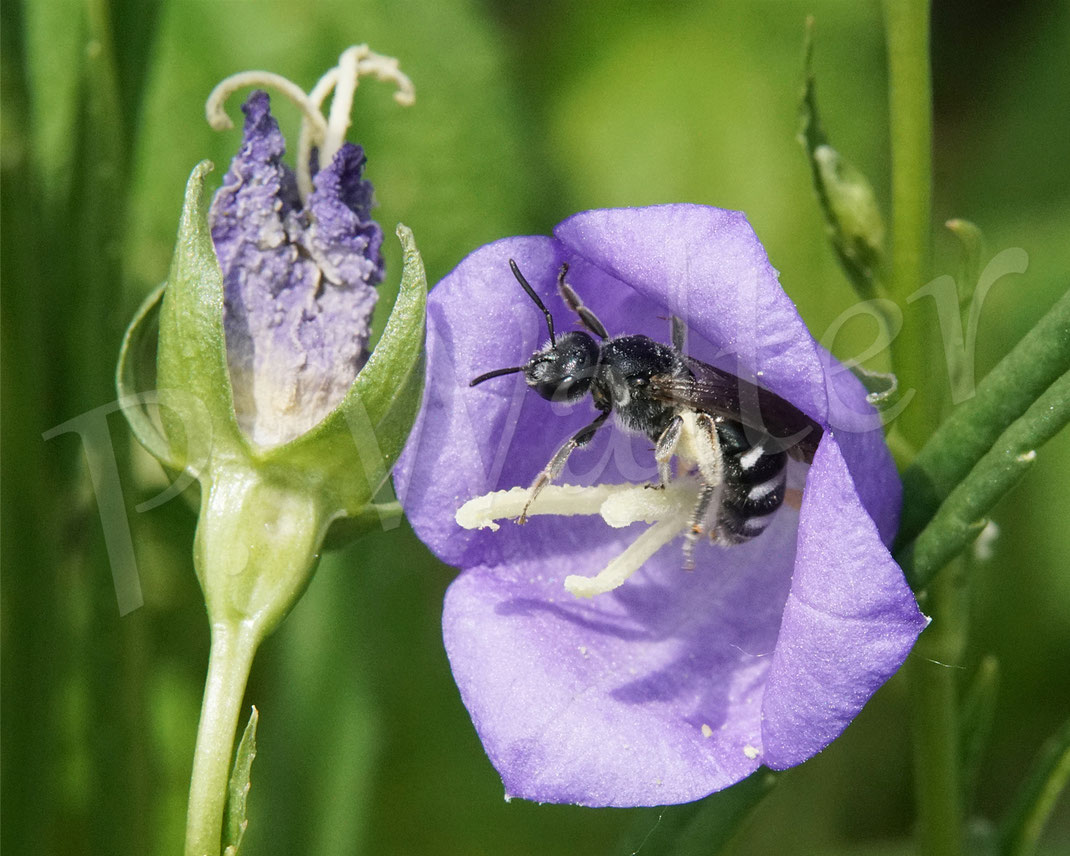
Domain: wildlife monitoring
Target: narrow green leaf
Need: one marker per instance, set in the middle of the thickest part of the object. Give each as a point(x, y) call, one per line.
point(975, 723)
point(962, 515)
point(236, 820)
point(702, 828)
point(191, 360)
point(1041, 357)
point(852, 217)
point(1047, 779)
point(353, 449)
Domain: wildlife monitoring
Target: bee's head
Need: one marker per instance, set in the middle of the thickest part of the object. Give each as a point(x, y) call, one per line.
point(563, 370)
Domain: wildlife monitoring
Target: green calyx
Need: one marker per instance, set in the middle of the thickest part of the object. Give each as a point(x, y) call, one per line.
point(264, 511)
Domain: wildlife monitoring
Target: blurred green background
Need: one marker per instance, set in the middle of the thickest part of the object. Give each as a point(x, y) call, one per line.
point(526, 112)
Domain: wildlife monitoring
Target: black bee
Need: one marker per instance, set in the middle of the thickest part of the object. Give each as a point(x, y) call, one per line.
point(736, 435)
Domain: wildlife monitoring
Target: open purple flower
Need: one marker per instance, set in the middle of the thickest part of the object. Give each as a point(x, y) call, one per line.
point(673, 684)
point(299, 280)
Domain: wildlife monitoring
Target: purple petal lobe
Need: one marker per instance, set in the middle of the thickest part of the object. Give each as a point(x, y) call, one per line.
point(649, 695)
point(849, 621)
point(298, 283)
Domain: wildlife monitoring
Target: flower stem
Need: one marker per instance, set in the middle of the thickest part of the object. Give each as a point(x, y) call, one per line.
point(936, 739)
point(933, 673)
point(231, 657)
point(910, 109)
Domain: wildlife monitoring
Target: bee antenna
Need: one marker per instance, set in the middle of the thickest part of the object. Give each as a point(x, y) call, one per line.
point(531, 293)
point(495, 373)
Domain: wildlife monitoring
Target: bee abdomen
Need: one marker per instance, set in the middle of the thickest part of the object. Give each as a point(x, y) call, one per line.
point(754, 485)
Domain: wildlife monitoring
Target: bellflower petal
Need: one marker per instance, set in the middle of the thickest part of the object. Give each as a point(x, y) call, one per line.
point(298, 281)
point(675, 684)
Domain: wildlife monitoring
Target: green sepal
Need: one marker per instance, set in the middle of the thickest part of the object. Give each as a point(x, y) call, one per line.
point(197, 404)
point(853, 219)
point(374, 517)
point(352, 450)
point(135, 377)
point(236, 820)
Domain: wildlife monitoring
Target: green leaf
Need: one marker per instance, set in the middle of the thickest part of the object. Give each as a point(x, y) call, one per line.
point(352, 451)
point(1041, 357)
point(852, 217)
point(1047, 779)
point(236, 821)
point(702, 828)
point(962, 515)
point(192, 374)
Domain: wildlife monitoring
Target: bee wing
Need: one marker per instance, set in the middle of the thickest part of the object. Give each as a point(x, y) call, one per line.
point(720, 393)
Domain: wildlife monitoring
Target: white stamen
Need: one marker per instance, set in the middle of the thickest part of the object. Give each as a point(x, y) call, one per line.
point(219, 120)
point(327, 134)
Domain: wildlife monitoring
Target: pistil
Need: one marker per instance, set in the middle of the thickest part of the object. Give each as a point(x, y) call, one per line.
point(667, 510)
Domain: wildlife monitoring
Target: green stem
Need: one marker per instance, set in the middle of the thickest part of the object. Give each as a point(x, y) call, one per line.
point(910, 109)
point(936, 738)
point(933, 673)
point(229, 662)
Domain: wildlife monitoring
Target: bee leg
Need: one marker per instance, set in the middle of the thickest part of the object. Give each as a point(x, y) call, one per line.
point(697, 528)
point(557, 463)
point(587, 317)
point(706, 446)
point(666, 448)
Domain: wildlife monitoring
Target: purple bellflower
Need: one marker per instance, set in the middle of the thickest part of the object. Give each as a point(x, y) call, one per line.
point(596, 670)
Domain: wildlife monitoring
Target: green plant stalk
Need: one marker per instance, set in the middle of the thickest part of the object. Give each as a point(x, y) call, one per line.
point(935, 718)
point(934, 698)
point(937, 775)
point(1020, 378)
point(231, 657)
point(910, 113)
